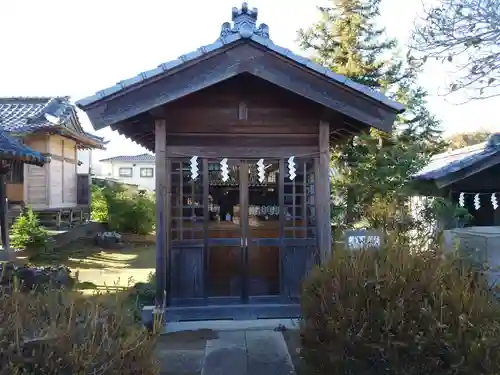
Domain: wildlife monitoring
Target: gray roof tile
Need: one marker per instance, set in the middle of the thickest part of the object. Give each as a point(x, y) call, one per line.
point(244, 27)
point(29, 114)
point(447, 163)
point(131, 158)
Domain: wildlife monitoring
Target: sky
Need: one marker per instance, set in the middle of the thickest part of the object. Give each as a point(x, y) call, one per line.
point(76, 47)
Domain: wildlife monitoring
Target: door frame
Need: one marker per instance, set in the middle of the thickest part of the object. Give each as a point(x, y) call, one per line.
point(202, 247)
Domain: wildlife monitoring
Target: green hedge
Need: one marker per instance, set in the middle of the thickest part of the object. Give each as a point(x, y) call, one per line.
point(123, 209)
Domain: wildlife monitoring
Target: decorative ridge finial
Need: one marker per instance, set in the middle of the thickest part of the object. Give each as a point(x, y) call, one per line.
point(494, 141)
point(244, 23)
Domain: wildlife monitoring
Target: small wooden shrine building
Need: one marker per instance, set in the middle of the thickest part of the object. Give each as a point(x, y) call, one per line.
point(49, 125)
point(241, 129)
point(471, 172)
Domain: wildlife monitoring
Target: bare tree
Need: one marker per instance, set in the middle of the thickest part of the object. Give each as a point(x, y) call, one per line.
point(465, 33)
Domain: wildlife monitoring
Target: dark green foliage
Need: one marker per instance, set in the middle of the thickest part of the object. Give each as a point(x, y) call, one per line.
point(125, 210)
point(99, 205)
point(392, 313)
point(374, 168)
point(27, 233)
point(144, 293)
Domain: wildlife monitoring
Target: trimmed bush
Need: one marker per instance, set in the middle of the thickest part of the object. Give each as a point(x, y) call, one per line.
point(99, 205)
point(28, 233)
point(391, 312)
point(63, 332)
point(124, 209)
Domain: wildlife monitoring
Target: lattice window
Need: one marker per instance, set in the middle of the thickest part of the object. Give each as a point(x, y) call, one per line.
point(16, 173)
point(299, 199)
point(187, 202)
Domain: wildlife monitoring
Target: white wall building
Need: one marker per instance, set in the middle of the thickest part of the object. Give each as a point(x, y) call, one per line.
point(131, 169)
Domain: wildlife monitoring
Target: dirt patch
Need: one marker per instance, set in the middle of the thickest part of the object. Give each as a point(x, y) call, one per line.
point(292, 339)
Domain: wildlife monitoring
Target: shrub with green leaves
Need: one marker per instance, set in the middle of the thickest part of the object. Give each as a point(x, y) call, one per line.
point(391, 312)
point(27, 232)
point(99, 205)
point(123, 209)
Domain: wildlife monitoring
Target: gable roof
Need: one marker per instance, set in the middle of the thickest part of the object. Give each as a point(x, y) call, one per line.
point(12, 149)
point(131, 158)
point(244, 29)
point(25, 115)
point(447, 163)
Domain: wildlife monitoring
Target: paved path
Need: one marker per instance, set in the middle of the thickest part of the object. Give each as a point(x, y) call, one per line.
point(262, 352)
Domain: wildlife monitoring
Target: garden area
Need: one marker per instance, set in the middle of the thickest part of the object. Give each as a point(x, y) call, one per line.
point(127, 258)
point(85, 296)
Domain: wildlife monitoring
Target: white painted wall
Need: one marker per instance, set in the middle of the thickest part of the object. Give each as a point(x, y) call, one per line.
point(112, 170)
point(84, 156)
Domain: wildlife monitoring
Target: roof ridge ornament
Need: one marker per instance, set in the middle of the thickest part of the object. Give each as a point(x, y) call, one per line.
point(493, 141)
point(244, 23)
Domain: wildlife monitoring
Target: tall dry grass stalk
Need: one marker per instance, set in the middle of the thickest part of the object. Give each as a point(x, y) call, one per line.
point(63, 332)
point(393, 312)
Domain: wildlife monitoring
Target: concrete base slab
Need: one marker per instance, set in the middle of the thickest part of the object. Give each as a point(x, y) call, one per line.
point(267, 354)
point(181, 361)
point(232, 325)
point(226, 355)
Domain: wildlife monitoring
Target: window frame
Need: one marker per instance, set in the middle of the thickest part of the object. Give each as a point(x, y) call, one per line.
point(146, 169)
point(120, 174)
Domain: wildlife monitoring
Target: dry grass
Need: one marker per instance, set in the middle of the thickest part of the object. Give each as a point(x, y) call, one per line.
point(61, 332)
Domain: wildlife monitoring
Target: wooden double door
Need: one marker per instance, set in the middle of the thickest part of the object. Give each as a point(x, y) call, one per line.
point(243, 231)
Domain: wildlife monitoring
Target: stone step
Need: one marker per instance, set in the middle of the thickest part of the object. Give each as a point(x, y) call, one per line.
point(226, 355)
point(267, 354)
point(248, 353)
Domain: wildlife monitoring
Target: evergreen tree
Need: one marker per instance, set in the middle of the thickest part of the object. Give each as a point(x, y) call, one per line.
point(373, 169)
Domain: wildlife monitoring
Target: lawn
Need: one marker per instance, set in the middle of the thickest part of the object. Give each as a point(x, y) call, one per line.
point(97, 266)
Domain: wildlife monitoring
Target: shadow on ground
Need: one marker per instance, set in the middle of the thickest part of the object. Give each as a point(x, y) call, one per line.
point(94, 265)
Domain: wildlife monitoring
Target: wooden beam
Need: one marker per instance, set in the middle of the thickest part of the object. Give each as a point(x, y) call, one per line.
point(324, 229)
point(162, 260)
point(228, 151)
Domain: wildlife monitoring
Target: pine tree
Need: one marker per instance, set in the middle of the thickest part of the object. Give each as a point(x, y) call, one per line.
point(374, 169)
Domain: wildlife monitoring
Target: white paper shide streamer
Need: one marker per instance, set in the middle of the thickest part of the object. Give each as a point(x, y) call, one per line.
point(291, 168)
point(477, 202)
point(461, 200)
point(494, 201)
point(194, 168)
point(261, 171)
point(224, 169)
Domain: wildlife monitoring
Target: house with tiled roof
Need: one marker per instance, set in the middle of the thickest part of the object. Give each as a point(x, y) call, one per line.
point(49, 125)
point(130, 169)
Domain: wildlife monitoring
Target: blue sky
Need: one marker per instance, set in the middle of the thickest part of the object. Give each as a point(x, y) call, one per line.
point(60, 47)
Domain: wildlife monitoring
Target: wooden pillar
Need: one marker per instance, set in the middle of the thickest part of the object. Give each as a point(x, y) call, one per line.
point(162, 214)
point(4, 214)
point(324, 229)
